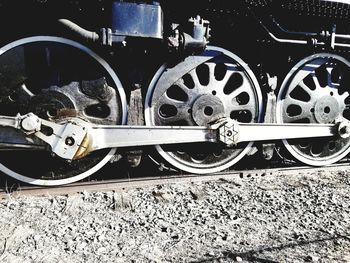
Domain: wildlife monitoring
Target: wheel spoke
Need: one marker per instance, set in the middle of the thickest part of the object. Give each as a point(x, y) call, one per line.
point(305, 88)
point(195, 78)
point(243, 101)
point(345, 95)
point(211, 67)
point(315, 79)
point(330, 83)
point(165, 100)
point(231, 69)
point(238, 91)
point(305, 110)
point(190, 93)
point(172, 111)
point(305, 106)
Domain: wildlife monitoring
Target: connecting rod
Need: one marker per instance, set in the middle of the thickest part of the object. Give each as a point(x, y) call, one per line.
point(75, 138)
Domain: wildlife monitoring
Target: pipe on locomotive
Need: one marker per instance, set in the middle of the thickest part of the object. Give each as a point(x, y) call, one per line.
point(86, 35)
point(324, 38)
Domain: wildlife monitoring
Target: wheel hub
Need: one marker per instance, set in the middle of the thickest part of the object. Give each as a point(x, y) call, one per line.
point(326, 109)
point(206, 109)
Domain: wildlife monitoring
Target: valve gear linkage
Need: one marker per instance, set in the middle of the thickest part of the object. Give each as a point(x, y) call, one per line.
point(74, 138)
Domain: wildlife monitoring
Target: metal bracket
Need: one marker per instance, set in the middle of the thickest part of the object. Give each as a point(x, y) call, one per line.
point(270, 115)
point(65, 139)
point(133, 156)
point(193, 40)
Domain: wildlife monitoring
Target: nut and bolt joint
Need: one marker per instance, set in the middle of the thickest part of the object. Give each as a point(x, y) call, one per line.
point(30, 123)
point(70, 141)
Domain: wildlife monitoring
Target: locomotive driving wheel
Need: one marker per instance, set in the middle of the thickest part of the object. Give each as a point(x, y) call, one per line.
point(56, 78)
point(197, 91)
point(316, 91)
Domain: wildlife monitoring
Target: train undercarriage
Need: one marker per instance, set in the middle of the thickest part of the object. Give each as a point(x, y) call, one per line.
point(196, 89)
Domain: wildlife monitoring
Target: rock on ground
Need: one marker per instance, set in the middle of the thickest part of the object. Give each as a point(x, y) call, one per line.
point(276, 218)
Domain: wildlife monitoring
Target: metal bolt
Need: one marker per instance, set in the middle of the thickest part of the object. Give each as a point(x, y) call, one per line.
point(30, 123)
point(345, 130)
point(69, 141)
point(229, 133)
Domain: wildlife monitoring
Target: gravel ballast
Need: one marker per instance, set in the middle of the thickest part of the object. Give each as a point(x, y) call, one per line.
point(303, 217)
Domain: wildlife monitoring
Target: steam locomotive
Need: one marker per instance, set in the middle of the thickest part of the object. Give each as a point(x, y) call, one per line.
point(196, 86)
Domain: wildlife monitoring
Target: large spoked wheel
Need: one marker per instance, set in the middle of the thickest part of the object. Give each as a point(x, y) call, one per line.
point(56, 78)
point(198, 91)
point(316, 91)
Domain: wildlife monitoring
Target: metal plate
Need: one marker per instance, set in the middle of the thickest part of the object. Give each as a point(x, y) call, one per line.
point(137, 20)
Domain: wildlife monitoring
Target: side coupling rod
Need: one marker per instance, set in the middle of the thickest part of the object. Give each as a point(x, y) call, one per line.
point(74, 138)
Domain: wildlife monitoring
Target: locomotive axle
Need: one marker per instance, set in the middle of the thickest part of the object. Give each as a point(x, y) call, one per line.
point(75, 138)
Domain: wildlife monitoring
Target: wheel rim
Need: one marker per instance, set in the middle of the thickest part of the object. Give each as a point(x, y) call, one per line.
point(215, 84)
point(63, 97)
point(315, 92)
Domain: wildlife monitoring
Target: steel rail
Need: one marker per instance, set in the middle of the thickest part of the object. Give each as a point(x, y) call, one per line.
point(120, 185)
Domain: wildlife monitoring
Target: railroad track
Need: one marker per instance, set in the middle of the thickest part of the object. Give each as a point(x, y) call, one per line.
point(138, 182)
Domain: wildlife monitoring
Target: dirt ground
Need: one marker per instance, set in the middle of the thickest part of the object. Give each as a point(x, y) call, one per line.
point(276, 218)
